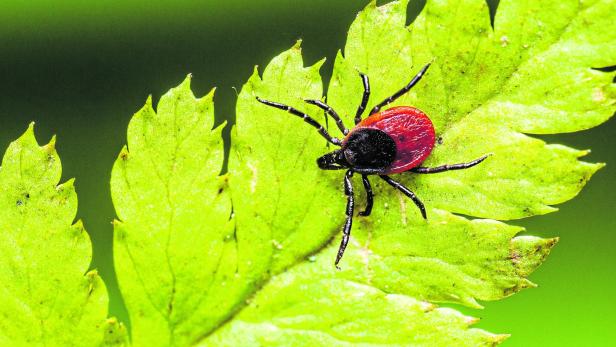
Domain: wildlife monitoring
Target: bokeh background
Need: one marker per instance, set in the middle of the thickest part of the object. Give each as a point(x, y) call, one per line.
point(80, 69)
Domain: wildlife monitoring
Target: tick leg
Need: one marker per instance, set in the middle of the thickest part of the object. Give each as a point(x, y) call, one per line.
point(401, 91)
point(305, 117)
point(406, 192)
point(448, 167)
point(346, 231)
point(369, 196)
point(330, 111)
point(364, 98)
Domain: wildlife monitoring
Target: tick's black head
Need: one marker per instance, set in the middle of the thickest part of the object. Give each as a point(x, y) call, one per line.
point(369, 149)
point(332, 161)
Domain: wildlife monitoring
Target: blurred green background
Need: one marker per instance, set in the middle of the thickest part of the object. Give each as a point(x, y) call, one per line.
point(80, 69)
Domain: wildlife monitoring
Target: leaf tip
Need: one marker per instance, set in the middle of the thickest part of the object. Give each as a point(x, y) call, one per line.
point(70, 184)
point(31, 127)
point(124, 153)
point(28, 135)
point(552, 241)
point(115, 333)
point(92, 275)
point(527, 253)
point(185, 85)
point(79, 225)
point(50, 147)
point(297, 45)
point(499, 338)
point(119, 233)
point(470, 320)
point(112, 321)
point(472, 302)
point(522, 284)
point(599, 166)
point(339, 56)
point(208, 98)
point(540, 210)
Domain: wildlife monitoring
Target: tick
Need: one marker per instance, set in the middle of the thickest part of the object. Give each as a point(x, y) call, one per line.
point(387, 142)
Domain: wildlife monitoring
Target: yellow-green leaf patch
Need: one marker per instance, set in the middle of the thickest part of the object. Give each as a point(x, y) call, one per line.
point(49, 298)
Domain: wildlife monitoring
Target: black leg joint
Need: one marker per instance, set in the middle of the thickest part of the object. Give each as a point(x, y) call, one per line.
point(369, 196)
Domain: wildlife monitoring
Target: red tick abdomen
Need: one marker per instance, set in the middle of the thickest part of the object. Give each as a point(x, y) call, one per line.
point(411, 130)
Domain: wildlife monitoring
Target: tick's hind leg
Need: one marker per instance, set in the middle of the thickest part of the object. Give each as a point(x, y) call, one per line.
point(346, 231)
point(369, 196)
point(448, 167)
point(406, 192)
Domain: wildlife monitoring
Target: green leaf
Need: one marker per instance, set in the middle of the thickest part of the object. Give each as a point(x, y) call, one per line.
point(450, 259)
point(481, 94)
point(202, 261)
point(174, 250)
point(306, 309)
point(46, 298)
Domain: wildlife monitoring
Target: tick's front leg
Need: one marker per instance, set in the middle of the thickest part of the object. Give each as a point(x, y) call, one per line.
point(346, 231)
